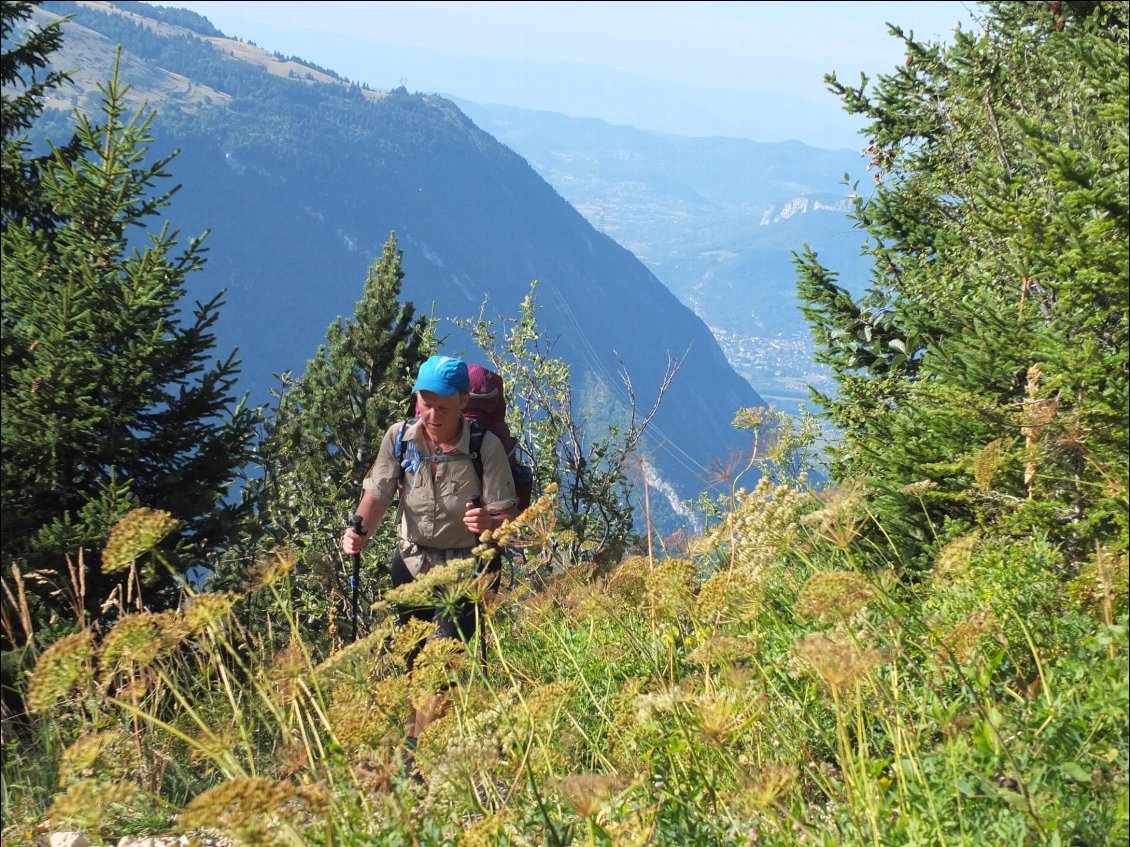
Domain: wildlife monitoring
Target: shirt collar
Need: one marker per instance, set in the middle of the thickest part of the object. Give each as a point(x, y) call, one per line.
point(415, 433)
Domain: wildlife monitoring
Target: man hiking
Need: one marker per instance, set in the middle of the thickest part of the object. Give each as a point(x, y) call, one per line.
point(450, 494)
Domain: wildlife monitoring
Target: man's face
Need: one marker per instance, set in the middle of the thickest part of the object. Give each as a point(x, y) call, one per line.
point(440, 416)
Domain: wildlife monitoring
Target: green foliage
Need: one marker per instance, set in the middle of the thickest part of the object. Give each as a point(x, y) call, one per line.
point(325, 431)
point(589, 449)
point(110, 399)
point(792, 696)
point(997, 322)
point(24, 93)
point(783, 680)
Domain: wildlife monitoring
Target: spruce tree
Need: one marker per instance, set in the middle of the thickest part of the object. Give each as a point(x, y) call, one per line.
point(27, 78)
point(983, 377)
point(111, 396)
point(328, 423)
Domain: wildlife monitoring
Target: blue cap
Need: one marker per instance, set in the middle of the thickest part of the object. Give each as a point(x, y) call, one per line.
point(443, 375)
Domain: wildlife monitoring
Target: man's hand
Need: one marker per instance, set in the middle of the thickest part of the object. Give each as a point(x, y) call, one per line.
point(354, 538)
point(477, 519)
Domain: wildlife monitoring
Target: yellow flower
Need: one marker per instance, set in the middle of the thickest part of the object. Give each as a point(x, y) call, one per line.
point(834, 595)
point(93, 753)
point(252, 808)
point(139, 639)
point(63, 667)
point(87, 804)
point(134, 535)
point(269, 568)
point(587, 792)
point(835, 658)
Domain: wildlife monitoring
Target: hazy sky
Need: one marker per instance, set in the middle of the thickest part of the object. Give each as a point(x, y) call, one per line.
point(635, 63)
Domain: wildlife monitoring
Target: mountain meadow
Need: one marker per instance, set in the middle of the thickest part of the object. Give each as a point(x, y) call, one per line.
point(913, 635)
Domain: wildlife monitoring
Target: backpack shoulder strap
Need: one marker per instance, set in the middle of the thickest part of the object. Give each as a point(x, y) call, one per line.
point(475, 449)
point(478, 432)
point(398, 447)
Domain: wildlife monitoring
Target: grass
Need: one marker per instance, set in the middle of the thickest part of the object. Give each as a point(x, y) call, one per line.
point(776, 681)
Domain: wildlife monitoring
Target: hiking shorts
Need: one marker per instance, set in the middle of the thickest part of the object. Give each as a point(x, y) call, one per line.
point(458, 623)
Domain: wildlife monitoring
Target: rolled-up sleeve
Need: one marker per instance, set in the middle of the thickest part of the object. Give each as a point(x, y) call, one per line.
point(384, 476)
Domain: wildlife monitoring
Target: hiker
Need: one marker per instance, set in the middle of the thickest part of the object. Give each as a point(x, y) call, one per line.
point(447, 501)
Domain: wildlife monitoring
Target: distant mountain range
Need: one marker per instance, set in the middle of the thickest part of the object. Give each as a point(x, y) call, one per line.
point(717, 220)
point(301, 177)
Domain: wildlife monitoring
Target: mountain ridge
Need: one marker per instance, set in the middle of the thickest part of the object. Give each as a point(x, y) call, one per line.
point(718, 220)
point(301, 186)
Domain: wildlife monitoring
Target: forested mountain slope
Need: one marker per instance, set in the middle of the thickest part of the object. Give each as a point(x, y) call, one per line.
point(301, 177)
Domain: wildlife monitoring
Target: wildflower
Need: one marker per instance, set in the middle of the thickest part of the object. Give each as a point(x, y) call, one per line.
point(761, 523)
point(358, 723)
point(463, 760)
point(285, 671)
point(962, 643)
point(670, 588)
point(438, 666)
point(138, 640)
point(567, 537)
point(64, 666)
point(252, 808)
point(627, 581)
point(650, 705)
point(495, 828)
point(764, 786)
point(636, 829)
point(723, 650)
point(409, 638)
point(390, 698)
point(91, 754)
point(87, 804)
point(835, 658)
point(732, 596)
point(535, 524)
point(450, 578)
point(134, 535)
point(585, 600)
point(1103, 582)
point(839, 522)
point(750, 417)
point(354, 658)
point(204, 610)
point(270, 568)
point(953, 559)
point(986, 463)
point(623, 703)
point(587, 792)
point(543, 704)
point(834, 595)
point(718, 717)
point(215, 744)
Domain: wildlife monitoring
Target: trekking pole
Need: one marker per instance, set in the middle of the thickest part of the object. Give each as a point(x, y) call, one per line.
point(477, 502)
point(355, 524)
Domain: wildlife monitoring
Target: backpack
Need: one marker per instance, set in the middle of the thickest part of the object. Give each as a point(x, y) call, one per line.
point(486, 410)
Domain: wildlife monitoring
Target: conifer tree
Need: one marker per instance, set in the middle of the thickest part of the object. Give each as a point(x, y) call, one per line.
point(328, 424)
point(27, 78)
point(111, 398)
point(983, 377)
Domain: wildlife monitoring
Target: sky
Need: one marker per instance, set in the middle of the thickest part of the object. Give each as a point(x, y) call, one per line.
point(740, 69)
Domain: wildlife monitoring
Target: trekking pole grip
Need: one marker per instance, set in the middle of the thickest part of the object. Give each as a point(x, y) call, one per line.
point(356, 524)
